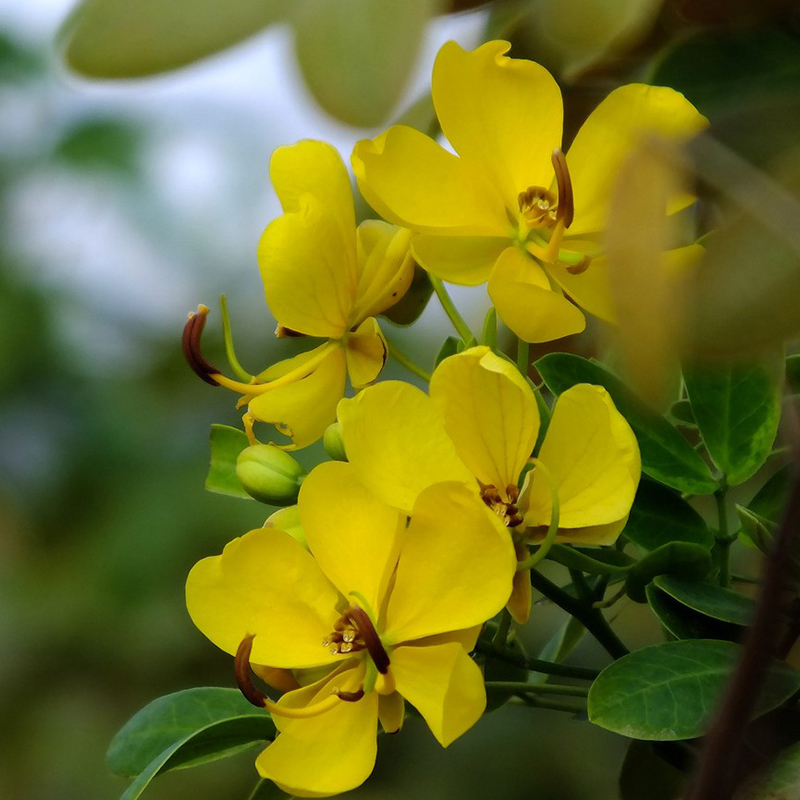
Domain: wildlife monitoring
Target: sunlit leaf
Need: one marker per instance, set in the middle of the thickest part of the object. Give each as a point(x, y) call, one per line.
point(668, 692)
point(357, 55)
point(121, 39)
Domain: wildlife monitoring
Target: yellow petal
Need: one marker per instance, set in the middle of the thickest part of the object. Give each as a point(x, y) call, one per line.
point(489, 412)
point(316, 168)
point(615, 128)
point(395, 440)
point(288, 520)
point(385, 267)
point(593, 458)
point(391, 711)
point(352, 534)
point(366, 352)
point(308, 267)
point(266, 584)
point(589, 289)
point(412, 181)
point(466, 638)
point(525, 301)
point(444, 684)
point(303, 409)
point(467, 260)
point(455, 569)
point(328, 754)
point(503, 115)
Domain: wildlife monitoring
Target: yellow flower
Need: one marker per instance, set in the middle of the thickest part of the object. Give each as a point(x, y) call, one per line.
point(323, 277)
point(510, 208)
point(390, 609)
point(479, 427)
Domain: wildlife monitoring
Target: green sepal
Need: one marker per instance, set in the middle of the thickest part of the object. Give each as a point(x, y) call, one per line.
point(676, 558)
point(668, 692)
point(666, 455)
point(226, 444)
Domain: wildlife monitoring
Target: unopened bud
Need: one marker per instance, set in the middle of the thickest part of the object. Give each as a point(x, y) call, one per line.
point(333, 442)
point(269, 474)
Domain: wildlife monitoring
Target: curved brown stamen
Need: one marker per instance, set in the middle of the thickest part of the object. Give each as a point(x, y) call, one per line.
point(566, 203)
point(192, 331)
point(244, 680)
point(370, 638)
point(350, 697)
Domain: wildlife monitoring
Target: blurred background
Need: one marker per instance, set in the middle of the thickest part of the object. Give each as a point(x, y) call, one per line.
point(124, 203)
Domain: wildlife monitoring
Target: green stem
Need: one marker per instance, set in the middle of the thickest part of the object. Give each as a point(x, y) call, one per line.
point(552, 531)
point(241, 373)
point(539, 688)
point(551, 705)
point(592, 618)
point(723, 546)
point(452, 312)
point(515, 659)
point(401, 358)
point(501, 636)
point(523, 357)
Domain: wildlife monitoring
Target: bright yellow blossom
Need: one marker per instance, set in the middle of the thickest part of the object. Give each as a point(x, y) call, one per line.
point(510, 208)
point(479, 427)
point(391, 607)
point(325, 278)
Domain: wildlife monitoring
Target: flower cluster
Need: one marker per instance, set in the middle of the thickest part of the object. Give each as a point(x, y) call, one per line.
point(372, 592)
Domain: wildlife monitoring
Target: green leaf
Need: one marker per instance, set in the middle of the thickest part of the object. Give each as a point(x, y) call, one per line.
point(756, 531)
point(705, 598)
point(771, 498)
point(183, 730)
point(645, 775)
point(668, 692)
point(357, 55)
point(666, 455)
point(679, 558)
point(413, 302)
point(793, 373)
point(103, 144)
point(780, 780)
point(450, 346)
point(683, 623)
point(226, 444)
point(737, 409)
point(681, 412)
point(122, 39)
point(659, 516)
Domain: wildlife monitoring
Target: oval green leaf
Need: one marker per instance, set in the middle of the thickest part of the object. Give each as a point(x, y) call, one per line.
point(666, 455)
point(737, 409)
point(660, 516)
point(113, 39)
point(668, 692)
point(357, 55)
point(226, 444)
point(705, 598)
point(683, 623)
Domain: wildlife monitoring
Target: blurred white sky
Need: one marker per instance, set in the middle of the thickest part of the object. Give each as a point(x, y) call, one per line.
point(211, 128)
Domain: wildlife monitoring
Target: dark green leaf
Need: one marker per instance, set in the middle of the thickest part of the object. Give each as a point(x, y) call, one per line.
point(668, 692)
point(666, 455)
point(683, 623)
point(771, 497)
point(645, 775)
point(121, 39)
point(659, 516)
point(226, 444)
point(681, 412)
point(737, 409)
point(793, 373)
point(705, 598)
point(413, 302)
point(678, 558)
point(780, 780)
point(357, 55)
point(185, 729)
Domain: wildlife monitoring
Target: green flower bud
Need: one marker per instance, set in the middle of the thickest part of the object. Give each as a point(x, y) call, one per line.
point(333, 442)
point(269, 474)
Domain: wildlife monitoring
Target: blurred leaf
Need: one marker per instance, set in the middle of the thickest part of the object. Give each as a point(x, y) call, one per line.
point(108, 144)
point(780, 780)
point(737, 409)
point(121, 39)
point(666, 455)
point(413, 302)
point(18, 61)
point(705, 598)
point(676, 558)
point(357, 55)
point(226, 444)
point(668, 692)
point(793, 372)
point(771, 497)
point(645, 775)
point(183, 730)
point(659, 516)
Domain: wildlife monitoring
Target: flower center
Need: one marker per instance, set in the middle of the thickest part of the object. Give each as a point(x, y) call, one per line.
point(507, 510)
point(539, 207)
point(354, 631)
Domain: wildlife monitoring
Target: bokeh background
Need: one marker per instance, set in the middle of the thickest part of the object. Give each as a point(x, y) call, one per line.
point(122, 205)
